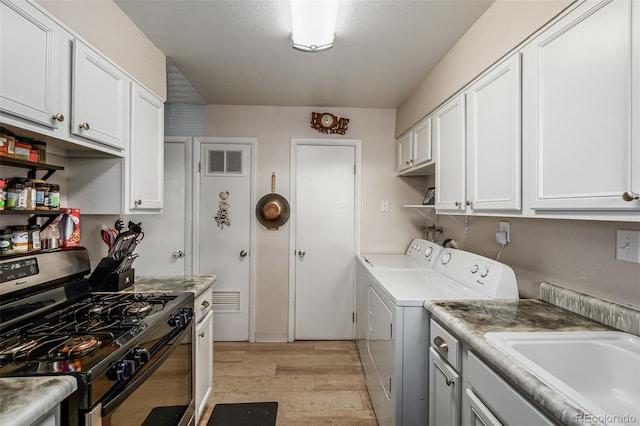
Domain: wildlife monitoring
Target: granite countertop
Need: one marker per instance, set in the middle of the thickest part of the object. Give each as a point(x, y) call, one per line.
point(196, 284)
point(471, 319)
point(25, 400)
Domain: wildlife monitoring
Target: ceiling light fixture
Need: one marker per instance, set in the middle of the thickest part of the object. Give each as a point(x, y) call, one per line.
point(313, 24)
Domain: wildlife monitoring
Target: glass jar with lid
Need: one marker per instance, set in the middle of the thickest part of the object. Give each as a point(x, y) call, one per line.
point(54, 197)
point(42, 194)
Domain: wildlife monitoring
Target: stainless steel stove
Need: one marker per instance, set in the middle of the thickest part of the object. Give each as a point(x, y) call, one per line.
point(130, 352)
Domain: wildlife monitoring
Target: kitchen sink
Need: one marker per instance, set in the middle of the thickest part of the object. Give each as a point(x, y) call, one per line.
point(598, 370)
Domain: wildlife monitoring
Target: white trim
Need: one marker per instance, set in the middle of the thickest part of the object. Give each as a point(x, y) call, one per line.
point(252, 142)
point(295, 142)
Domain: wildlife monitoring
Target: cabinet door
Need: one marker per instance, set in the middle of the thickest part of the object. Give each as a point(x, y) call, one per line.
point(449, 136)
point(146, 154)
point(581, 80)
point(494, 139)
point(404, 152)
point(381, 340)
point(100, 98)
point(204, 363)
point(479, 414)
point(444, 392)
point(32, 52)
point(422, 142)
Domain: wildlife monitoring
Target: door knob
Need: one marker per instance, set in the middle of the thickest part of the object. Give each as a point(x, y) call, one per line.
point(243, 253)
point(301, 253)
point(177, 254)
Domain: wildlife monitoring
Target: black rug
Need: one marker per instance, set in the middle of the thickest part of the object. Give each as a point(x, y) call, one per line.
point(245, 414)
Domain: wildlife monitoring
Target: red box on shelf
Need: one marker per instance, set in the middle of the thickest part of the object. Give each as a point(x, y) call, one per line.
point(69, 227)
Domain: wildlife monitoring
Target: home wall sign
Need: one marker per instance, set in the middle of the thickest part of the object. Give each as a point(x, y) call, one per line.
point(327, 123)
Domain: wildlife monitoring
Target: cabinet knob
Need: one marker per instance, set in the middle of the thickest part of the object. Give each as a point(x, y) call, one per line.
point(458, 203)
point(205, 304)
point(243, 253)
point(441, 344)
point(202, 334)
point(85, 126)
point(407, 162)
point(59, 117)
point(469, 203)
point(137, 202)
point(177, 254)
point(630, 196)
point(448, 381)
point(301, 253)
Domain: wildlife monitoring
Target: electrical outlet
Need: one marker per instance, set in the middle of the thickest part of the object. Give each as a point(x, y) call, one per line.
point(628, 245)
point(384, 206)
point(506, 228)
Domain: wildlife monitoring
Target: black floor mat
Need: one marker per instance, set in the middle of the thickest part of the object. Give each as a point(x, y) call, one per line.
point(161, 416)
point(245, 414)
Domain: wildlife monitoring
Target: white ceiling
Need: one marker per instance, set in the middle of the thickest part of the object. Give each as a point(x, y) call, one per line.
point(238, 52)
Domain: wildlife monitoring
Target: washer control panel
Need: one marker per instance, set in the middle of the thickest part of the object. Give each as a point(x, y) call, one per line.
point(424, 251)
point(487, 276)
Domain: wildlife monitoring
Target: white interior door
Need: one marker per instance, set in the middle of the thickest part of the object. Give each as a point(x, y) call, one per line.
point(223, 238)
point(325, 239)
point(164, 251)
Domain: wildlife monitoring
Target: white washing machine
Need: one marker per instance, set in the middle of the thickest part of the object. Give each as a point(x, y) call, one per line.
point(420, 255)
point(393, 341)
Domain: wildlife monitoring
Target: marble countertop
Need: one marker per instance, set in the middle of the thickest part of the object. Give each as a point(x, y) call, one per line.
point(25, 400)
point(470, 320)
point(196, 284)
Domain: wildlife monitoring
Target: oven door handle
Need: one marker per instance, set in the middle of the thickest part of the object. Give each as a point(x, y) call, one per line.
point(112, 402)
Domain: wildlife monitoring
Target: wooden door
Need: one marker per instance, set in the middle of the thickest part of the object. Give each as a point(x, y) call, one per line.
point(325, 240)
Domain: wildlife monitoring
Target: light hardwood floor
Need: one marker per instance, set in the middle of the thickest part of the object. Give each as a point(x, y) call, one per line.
point(314, 382)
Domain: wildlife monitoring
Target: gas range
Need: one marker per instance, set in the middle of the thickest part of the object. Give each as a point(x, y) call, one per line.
point(110, 342)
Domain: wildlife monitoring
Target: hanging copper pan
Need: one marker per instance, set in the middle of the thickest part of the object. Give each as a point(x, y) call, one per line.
point(272, 209)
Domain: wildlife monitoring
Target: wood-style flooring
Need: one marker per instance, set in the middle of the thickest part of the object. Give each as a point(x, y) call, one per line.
point(314, 382)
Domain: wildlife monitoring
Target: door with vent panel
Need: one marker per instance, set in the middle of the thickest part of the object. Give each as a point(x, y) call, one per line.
point(223, 188)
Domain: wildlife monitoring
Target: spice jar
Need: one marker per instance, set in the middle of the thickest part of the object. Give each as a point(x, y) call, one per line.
point(16, 195)
point(3, 141)
point(6, 243)
point(19, 238)
point(42, 194)
point(3, 193)
point(31, 195)
point(34, 238)
point(41, 147)
point(22, 148)
point(11, 144)
point(54, 197)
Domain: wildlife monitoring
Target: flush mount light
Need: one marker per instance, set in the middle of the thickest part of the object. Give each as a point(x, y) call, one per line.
point(313, 24)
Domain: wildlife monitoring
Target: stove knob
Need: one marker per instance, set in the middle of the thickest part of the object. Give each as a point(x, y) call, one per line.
point(121, 370)
point(485, 272)
point(474, 269)
point(140, 356)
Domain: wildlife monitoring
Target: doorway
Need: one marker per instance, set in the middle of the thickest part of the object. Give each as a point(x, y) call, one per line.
point(325, 237)
point(223, 231)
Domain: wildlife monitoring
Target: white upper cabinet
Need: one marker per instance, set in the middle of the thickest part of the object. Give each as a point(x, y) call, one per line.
point(33, 55)
point(582, 110)
point(414, 150)
point(100, 98)
point(494, 139)
point(449, 137)
point(146, 150)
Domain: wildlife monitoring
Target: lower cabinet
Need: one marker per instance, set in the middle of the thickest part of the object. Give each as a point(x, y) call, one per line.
point(444, 386)
point(204, 363)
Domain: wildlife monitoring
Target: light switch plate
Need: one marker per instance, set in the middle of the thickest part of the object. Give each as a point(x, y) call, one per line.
point(628, 245)
point(384, 206)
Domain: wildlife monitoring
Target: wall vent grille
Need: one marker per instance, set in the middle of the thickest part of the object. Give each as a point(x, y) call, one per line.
point(226, 301)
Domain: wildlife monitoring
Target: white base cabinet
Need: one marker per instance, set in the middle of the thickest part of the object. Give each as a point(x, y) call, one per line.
point(204, 363)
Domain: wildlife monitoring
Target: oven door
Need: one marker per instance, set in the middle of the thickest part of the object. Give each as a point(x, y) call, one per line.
point(160, 394)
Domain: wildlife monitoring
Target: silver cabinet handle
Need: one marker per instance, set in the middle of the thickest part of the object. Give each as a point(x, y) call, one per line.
point(448, 381)
point(243, 253)
point(469, 203)
point(301, 253)
point(458, 203)
point(441, 343)
point(85, 126)
point(137, 202)
point(205, 304)
point(630, 196)
point(177, 254)
point(202, 334)
point(59, 117)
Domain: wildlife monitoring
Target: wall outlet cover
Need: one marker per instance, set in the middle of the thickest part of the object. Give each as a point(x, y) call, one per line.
point(628, 245)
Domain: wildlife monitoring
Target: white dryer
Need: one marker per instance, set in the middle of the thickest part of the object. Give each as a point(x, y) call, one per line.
point(392, 342)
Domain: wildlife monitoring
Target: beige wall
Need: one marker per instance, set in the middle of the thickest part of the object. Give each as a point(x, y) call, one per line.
point(381, 232)
point(103, 24)
point(501, 28)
